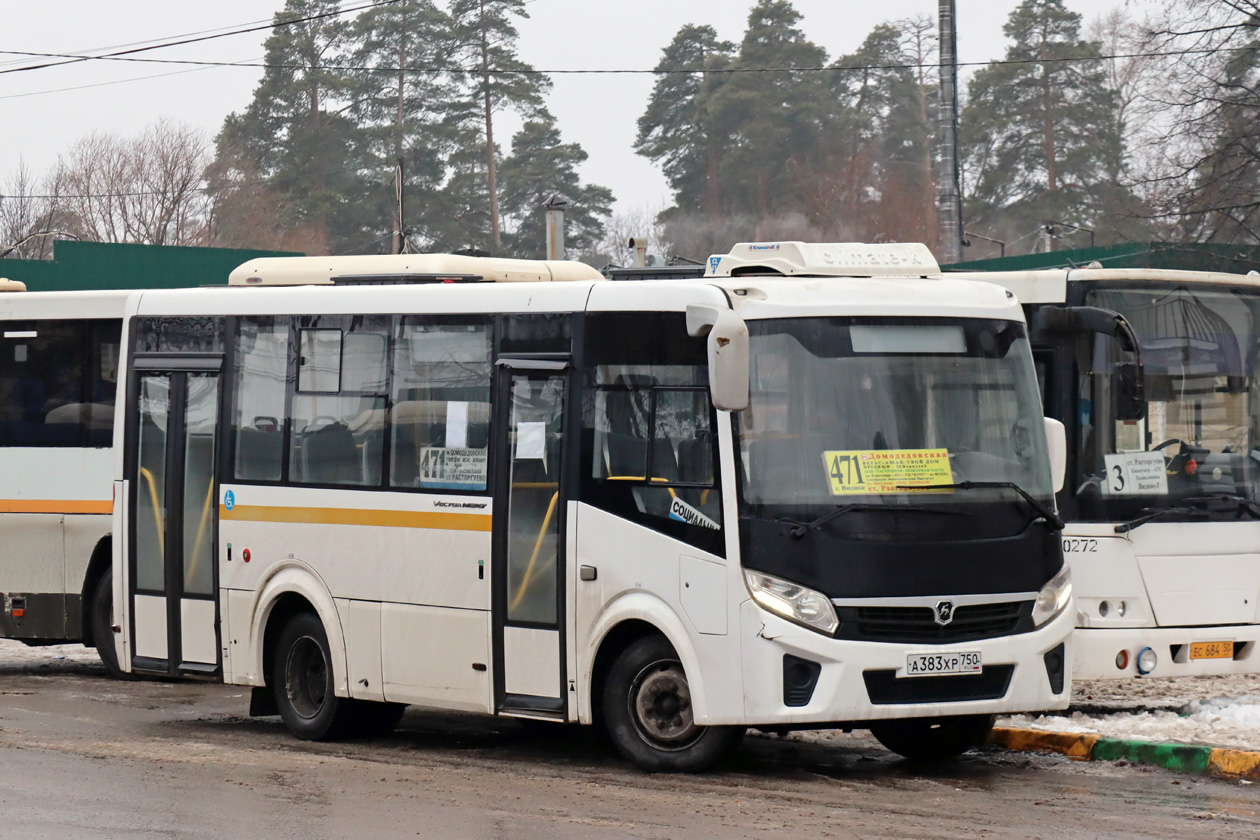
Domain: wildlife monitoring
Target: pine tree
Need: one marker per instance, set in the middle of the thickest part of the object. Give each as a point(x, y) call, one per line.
point(541, 166)
point(676, 130)
point(1039, 134)
point(494, 78)
point(292, 133)
point(776, 112)
point(403, 94)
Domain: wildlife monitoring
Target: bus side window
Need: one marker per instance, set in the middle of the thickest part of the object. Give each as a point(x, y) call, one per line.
point(338, 418)
point(440, 414)
point(262, 360)
point(42, 366)
point(648, 440)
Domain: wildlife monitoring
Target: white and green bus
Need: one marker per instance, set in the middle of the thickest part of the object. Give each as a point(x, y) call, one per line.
point(812, 489)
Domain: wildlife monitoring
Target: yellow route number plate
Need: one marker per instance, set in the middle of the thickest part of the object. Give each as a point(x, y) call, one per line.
point(1212, 650)
point(861, 471)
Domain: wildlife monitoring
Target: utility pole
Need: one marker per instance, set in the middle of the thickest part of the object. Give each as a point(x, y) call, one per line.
point(948, 194)
point(400, 236)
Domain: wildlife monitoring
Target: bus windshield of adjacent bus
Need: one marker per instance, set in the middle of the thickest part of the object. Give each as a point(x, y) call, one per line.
point(1193, 457)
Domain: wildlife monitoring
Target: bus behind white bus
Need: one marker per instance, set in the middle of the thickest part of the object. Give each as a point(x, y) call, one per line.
point(812, 489)
point(59, 355)
point(1154, 373)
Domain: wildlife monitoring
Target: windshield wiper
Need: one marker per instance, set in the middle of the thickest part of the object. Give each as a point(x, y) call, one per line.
point(803, 528)
point(1151, 514)
point(1240, 503)
point(1052, 518)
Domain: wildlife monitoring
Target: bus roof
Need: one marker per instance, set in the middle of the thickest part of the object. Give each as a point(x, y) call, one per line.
point(825, 259)
point(403, 268)
point(1050, 285)
point(32, 306)
point(7, 285)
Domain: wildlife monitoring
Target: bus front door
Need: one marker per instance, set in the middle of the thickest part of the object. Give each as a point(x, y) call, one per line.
point(173, 609)
point(528, 540)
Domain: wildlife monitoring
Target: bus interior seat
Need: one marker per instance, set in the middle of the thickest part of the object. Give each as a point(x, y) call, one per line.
point(258, 453)
point(330, 456)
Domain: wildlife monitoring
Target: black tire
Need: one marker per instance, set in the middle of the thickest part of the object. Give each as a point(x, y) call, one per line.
point(647, 712)
point(374, 719)
point(102, 623)
point(934, 739)
point(302, 678)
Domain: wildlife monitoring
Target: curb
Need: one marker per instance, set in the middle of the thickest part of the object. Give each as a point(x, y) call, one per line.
point(1217, 762)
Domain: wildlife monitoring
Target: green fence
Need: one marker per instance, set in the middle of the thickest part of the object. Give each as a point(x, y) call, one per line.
point(1235, 259)
point(83, 266)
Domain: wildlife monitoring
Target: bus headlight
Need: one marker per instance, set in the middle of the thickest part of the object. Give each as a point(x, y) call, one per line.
point(1053, 597)
point(792, 601)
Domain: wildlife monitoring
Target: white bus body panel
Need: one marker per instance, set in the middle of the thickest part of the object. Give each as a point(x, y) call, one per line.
point(1179, 583)
point(408, 564)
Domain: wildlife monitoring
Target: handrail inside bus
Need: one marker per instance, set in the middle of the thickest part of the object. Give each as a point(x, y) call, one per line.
point(533, 558)
point(201, 533)
point(157, 513)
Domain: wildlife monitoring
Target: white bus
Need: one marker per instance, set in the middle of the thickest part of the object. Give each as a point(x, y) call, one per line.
point(1163, 490)
point(58, 374)
point(514, 488)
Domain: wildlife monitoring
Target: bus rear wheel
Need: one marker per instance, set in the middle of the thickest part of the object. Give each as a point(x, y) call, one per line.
point(648, 712)
point(302, 678)
point(933, 739)
point(102, 619)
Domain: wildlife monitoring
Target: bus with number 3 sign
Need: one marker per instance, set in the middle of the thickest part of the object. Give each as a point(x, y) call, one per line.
point(812, 489)
point(1154, 373)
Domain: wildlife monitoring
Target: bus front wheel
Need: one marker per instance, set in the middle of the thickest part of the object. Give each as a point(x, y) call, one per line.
point(933, 739)
point(302, 678)
point(649, 716)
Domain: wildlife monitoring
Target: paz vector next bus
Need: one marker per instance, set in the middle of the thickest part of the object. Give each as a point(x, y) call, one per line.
point(811, 489)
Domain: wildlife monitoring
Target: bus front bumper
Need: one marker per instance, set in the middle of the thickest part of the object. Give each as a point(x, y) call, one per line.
point(1113, 652)
point(855, 681)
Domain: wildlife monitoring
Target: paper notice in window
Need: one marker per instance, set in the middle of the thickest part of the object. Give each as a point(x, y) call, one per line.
point(1136, 474)
point(531, 441)
point(456, 425)
point(854, 472)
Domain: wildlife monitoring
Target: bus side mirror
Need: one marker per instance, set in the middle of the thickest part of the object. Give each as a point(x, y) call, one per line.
point(728, 354)
point(1056, 445)
point(1128, 394)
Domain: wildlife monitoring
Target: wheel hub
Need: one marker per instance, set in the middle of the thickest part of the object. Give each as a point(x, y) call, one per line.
point(306, 677)
point(660, 706)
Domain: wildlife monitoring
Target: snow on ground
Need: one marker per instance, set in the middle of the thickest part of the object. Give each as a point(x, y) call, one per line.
point(1216, 711)
point(17, 655)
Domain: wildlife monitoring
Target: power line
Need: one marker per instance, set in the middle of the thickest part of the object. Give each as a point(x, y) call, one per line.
point(285, 179)
point(126, 55)
point(657, 71)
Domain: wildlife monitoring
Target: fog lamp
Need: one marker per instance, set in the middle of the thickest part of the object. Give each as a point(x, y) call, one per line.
point(1146, 661)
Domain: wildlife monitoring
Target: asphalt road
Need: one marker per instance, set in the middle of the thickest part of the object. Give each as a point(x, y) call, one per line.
point(84, 756)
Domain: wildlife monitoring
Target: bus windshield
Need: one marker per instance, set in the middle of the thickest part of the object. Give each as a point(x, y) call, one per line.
point(856, 411)
point(1200, 434)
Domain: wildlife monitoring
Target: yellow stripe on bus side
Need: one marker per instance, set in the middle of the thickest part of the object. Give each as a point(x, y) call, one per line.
point(54, 506)
point(440, 521)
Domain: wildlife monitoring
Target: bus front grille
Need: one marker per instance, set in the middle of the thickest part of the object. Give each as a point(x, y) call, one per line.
point(917, 625)
point(884, 688)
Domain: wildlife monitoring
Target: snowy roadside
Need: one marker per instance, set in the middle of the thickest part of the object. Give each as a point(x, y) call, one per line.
point(17, 655)
point(1212, 711)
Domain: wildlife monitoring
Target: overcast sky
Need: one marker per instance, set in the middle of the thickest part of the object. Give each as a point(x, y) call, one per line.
point(42, 112)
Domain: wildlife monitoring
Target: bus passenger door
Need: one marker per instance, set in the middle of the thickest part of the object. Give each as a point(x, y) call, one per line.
point(173, 442)
point(527, 570)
